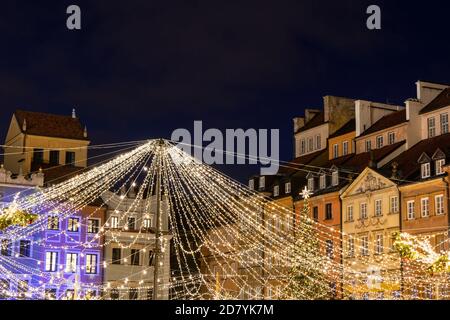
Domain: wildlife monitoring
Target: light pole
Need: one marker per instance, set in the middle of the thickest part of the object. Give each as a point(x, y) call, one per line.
point(158, 222)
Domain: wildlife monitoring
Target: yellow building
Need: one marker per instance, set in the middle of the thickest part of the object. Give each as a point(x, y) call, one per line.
point(371, 217)
point(341, 143)
point(40, 140)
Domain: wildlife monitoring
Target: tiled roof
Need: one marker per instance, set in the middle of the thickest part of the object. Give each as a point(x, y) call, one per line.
point(408, 165)
point(346, 128)
point(50, 125)
point(57, 174)
point(441, 101)
point(298, 163)
point(387, 121)
point(316, 121)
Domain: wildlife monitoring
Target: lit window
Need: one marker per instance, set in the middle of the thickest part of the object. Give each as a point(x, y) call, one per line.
point(368, 145)
point(71, 262)
point(394, 204)
point(287, 187)
point(440, 166)
point(276, 191)
point(391, 137)
point(262, 182)
point(378, 208)
point(114, 222)
point(51, 261)
point(311, 184)
point(345, 148)
point(147, 223)
point(351, 247)
point(444, 123)
point(53, 223)
point(349, 213)
point(93, 225)
point(439, 204)
point(363, 211)
point(25, 248)
point(335, 178)
point(410, 209)
point(323, 183)
point(379, 142)
point(425, 170)
point(425, 207)
point(251, 184)
point(431, 127)
point(91, 263)
point(335, 151)
point(379, 244)
point(365, 246)
point(73, 224)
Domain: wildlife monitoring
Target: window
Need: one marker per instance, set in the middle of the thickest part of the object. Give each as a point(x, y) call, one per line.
point(70, 158)
point(396, 295)
point(262, 183)
point(133, 294)
point(378, 208)
point(38, 156)
point(310, 145)
point(394, 205)
point(379, 244)
point(425, 170)
point(114, 294)
point(323, 181)
point(311, 184)
point(22, 288)
point(131, 223)
point(25, 248)
point(431, 127)
point(425, 207)
point(151, 258)
point(329, 249)
point(53, 223)
point(379, 142)
point(444, 123)
point(345, 148)
point(50, 294)
point(135, 255)
point(93, 225)
point(4, 288)
point(251, 184)
point(439, 204)
point(351, 247)
point(328, 211)
point(54, 157)
point(73, 224)
point(71, 262)
point(116, 256)
point(302, 147)
point(149, 294)
point(6, 247)
point(318, 142)
point(114, 222)
point(365, 246)
point(91, 263)
point(410, 210)
point(349, 213)
point(316, 213)
point(335, 178)
point(391, 137)
point(363, 211)
point(335, 151)
point(147, 223)
point(439, 166)
point(276, 191)
point(287, 187)
point(368, 145)
point(51, 261)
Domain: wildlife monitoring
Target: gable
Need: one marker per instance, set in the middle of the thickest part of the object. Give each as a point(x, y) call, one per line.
point(424, 158)
point(438, 155)
point(13, 131)
point(368, 181)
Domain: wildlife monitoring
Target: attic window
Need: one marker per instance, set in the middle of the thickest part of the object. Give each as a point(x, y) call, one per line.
point(311, 184)
point(335, 178)
point(276, 191)
point(425, 170)
point(323, 181)
point(262, 183)
point(439, 166)
point(251, 184)
point(287, 188)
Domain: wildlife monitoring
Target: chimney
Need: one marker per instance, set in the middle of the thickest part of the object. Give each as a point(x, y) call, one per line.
point(372, 162)
point(24, 125)
point(299, 123)
point(310, 113)
point(74, 113)
point(85, 134)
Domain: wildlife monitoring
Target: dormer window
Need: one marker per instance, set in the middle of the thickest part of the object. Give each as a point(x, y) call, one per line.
point(262, 183)
point(287, 188)
point(425, 170)
point(311, 184)
point(251, 184)
point(335, 178)
point(323, 181)
point(276, 191)
point(440, 166)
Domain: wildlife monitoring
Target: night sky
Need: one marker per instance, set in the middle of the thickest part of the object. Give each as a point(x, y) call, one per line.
point(140, 69)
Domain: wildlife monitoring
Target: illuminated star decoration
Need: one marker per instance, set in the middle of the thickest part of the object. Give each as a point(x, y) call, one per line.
point(306, 194)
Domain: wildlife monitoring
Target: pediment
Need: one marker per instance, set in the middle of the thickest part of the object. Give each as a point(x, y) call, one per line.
point(438, 155)
point(368, 181)
point(424, 158)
